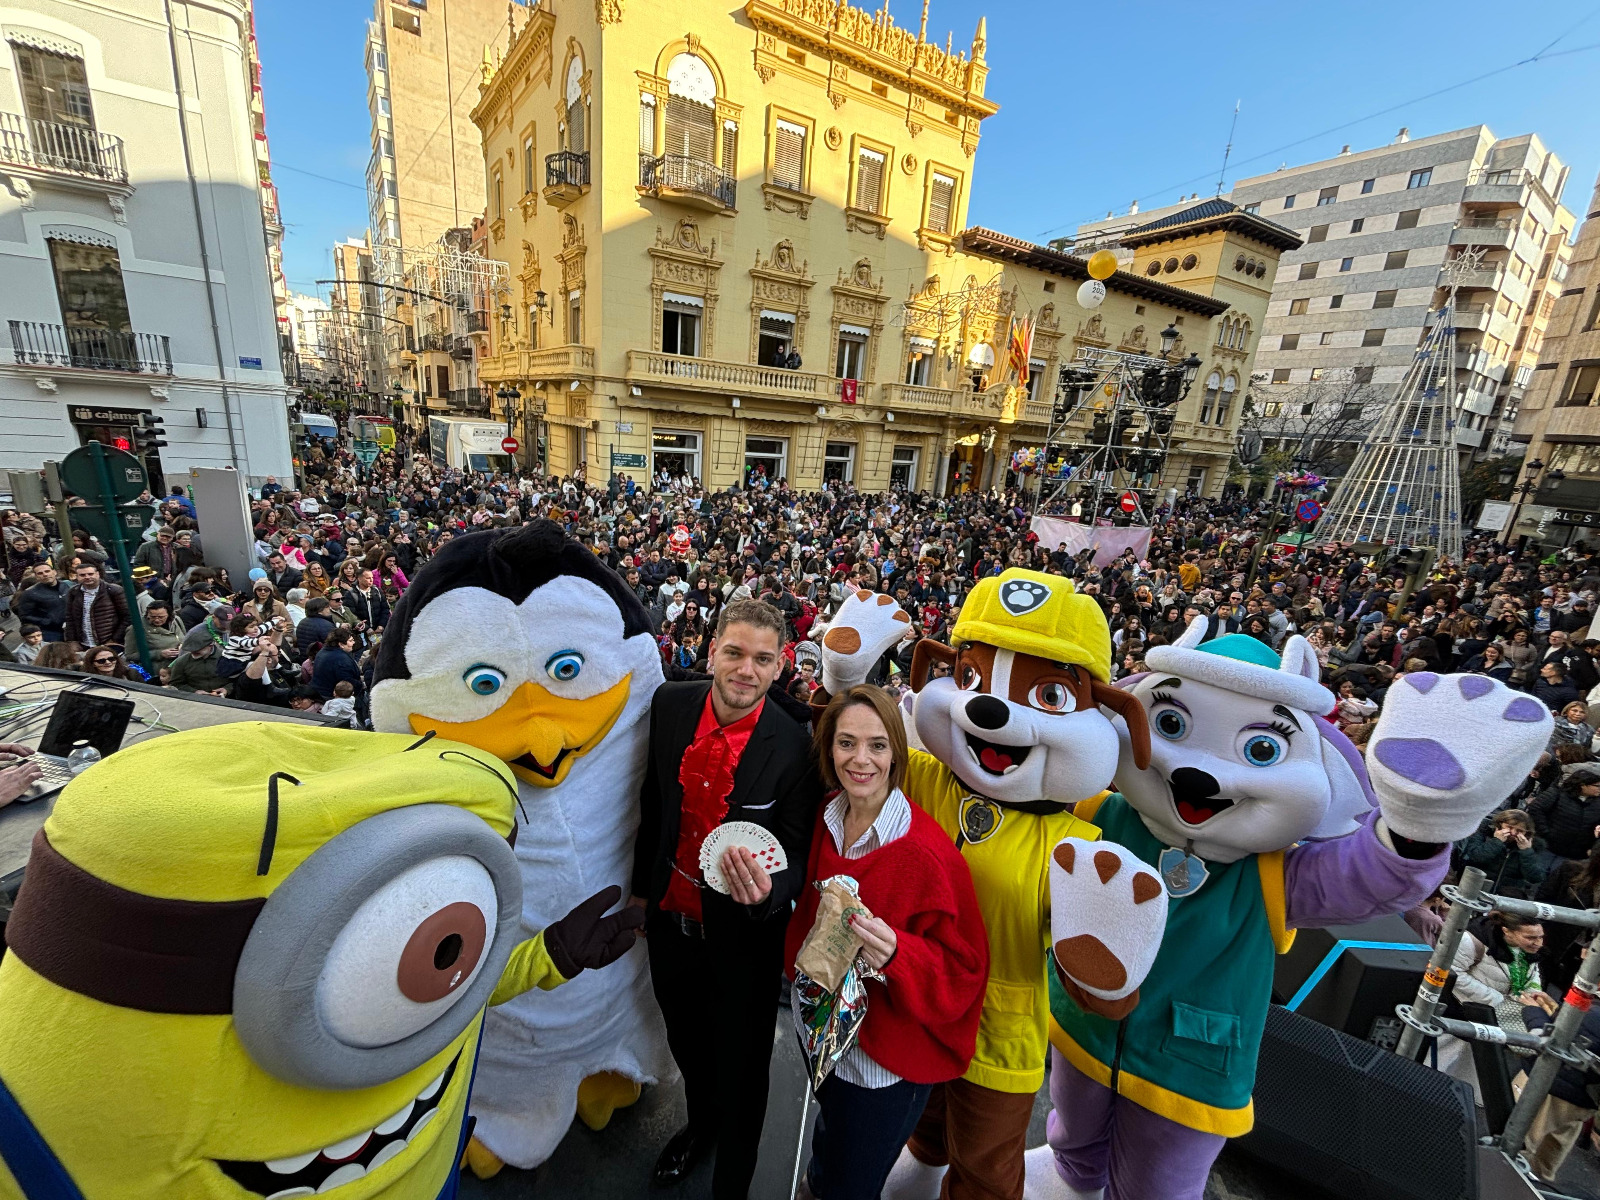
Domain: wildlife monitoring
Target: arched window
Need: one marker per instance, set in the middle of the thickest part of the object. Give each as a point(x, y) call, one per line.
point(691, 109)
point(576, 142)
point(1213, 382)
point(1230, 385)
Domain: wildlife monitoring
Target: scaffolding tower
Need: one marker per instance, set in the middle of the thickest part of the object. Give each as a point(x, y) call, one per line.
point(1404, 487)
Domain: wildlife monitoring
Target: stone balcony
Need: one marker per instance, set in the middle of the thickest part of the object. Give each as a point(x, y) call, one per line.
point(914, 398)
point(685, 372)
point(1576, 423)
point(554, 362)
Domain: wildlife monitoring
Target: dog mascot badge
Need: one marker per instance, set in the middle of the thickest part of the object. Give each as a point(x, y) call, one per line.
point(1256, 814)
point(228, 980)
point(1015, 734)
point(522, 643)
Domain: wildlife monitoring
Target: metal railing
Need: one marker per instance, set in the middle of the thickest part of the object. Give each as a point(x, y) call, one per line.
point(478, 397)
point(36, 343)
point(57, 146)
point(566, 168)
point(477, 321)
point(1558, 1045)
point(1515, 177)
point(681, 173)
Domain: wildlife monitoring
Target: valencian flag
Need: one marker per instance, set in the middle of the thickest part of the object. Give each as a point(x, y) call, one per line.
point(1019, 345)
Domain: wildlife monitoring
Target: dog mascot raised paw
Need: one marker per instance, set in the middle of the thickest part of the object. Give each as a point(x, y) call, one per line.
point(1015, 734)
point(1256, 814)
point(524, 644)
point(253, 961)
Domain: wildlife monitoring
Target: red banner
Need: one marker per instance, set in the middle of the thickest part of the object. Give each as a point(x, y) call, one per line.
point(847, 390)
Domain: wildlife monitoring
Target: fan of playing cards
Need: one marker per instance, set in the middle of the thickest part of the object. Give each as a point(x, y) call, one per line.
point(747, 835)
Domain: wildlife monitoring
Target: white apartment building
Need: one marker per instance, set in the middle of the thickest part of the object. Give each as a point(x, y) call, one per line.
point(134, 273)
point(1350, 306)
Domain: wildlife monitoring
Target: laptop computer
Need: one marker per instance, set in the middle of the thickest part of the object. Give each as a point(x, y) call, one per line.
point(98, 720)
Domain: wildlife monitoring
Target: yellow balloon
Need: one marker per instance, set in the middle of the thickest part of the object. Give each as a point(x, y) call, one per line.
point(1102, 264)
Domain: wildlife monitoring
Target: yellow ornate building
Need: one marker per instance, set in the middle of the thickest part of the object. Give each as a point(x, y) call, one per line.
point(688, 201)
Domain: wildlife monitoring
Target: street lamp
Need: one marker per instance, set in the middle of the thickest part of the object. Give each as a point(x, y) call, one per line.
point(542, 308)
point(1169, 339)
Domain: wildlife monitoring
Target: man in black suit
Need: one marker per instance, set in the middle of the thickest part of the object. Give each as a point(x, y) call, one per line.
point(718, 752)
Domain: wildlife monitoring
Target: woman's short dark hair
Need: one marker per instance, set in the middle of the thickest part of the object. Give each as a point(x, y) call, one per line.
point(867, 696)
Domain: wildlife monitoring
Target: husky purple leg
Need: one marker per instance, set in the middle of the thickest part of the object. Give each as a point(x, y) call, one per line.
point(1101, 1140)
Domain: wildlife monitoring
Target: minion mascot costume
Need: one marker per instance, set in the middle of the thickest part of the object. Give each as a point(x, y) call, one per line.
point(1258, 816)
point(522, 643)
point(227, 981)
point(1016, 735)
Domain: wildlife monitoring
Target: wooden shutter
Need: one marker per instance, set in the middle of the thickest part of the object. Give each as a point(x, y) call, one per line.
point(789, 156)
point(730, 148)
point(647, 126)
point(869, 181)
point(941, 203)
point(575, 126)
point(691, 128)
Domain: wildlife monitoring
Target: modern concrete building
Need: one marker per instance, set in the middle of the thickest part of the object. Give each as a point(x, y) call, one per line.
point(1560, 417)
point(425, 183)
point(134, 274)
point(685, 199)
point(1349, 306)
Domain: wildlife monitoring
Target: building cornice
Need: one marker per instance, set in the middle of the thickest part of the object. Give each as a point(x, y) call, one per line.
point(499, 75)
point(1257, 229)
point(986, 243)
point(841, 33)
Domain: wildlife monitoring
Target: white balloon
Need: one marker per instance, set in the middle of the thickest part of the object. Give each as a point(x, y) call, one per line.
point(1091, 293)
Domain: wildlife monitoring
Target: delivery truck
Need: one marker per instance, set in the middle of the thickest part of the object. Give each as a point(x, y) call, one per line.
point(468, 444)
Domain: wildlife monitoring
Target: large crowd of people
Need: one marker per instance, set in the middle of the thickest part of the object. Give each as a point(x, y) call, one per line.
point(336, 552)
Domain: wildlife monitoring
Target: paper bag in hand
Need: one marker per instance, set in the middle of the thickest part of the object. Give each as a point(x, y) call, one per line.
point(830, 948)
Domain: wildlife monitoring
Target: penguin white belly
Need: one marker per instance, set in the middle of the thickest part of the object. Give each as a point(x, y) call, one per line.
point(574, 840)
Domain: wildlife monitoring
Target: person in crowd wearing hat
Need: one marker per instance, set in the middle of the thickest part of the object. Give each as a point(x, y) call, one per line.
point(160, 556)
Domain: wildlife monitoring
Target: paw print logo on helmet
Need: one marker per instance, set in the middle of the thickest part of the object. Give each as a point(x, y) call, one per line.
point(1020, 596)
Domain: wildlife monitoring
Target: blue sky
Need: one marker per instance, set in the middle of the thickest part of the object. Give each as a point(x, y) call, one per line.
point(1100, 104)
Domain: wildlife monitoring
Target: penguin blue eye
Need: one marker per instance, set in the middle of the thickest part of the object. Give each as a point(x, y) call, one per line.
point(1261, 750)
point(564, 665)
point(484, 680)
point(1171, 724)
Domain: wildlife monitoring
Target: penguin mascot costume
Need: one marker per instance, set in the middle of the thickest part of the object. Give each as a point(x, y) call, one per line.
point(522, 643)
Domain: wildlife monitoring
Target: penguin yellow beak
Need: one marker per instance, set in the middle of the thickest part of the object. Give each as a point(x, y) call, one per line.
point(537, 733)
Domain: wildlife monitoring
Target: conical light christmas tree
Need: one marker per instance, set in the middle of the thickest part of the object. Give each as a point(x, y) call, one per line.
point(1404, 487)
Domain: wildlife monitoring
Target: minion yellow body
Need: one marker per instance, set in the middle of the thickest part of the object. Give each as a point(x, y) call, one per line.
point(353, 1078)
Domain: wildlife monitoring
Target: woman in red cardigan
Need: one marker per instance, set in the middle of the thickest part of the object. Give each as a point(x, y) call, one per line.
point(925, 935)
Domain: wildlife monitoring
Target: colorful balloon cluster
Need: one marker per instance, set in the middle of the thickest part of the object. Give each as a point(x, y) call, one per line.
point(1026, 461)
point(1301, 483)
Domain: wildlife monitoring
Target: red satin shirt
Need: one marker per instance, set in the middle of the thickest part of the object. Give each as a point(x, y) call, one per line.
point(706, 774)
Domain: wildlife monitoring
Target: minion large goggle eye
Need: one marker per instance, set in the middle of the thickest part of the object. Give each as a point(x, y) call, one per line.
point(369, 959)
point(379, 949)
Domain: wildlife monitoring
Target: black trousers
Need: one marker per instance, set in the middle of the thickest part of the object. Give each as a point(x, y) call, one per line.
point(720, 1004)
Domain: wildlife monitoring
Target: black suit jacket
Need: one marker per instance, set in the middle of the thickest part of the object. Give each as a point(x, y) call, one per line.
point(775, 785)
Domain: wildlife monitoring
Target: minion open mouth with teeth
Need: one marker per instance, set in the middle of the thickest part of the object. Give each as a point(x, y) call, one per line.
point(226, 982)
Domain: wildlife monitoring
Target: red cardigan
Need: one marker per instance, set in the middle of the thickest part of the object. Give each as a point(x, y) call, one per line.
point(922, 1025)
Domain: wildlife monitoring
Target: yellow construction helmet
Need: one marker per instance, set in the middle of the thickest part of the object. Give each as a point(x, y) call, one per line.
point(1030, 612)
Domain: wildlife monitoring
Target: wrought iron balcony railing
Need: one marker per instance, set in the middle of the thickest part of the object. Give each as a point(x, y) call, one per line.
point(477, 398)
point(685, 175)
point(35, 343)
point(477, 321)
point(566, 168)
point(55, 146)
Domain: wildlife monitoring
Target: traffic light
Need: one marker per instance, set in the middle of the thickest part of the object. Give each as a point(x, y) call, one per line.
point(150, 435)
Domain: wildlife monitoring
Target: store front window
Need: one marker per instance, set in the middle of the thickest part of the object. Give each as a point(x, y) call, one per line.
point(676, 453)
point(766, 460)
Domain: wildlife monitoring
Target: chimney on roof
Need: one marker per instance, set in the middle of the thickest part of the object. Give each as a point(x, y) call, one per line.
point(1403, 136)
point(1345, 149)
point(1133, 208)
point(1109, 214)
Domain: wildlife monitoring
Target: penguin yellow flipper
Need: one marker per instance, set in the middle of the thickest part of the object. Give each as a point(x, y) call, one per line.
point(601, 1095)
point(481, 1160)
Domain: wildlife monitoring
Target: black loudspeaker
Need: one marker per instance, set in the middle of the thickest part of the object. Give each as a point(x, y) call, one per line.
point(1350, 977)
point(1350, 1119)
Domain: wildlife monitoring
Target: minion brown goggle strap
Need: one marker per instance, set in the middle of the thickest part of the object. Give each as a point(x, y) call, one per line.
point(123, 948)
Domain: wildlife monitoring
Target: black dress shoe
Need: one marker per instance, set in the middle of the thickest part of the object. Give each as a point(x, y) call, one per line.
point(684, 1150)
